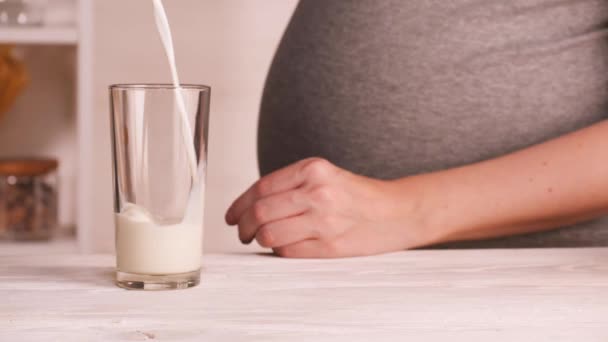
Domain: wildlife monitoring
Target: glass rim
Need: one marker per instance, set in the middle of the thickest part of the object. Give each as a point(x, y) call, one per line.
point(157, 86)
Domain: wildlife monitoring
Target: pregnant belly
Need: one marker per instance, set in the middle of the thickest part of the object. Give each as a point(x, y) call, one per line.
point(389, 93)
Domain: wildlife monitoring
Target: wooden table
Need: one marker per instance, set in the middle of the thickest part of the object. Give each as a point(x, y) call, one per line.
point(474, 295)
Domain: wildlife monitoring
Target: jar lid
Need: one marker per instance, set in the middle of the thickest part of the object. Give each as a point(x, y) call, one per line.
point(27, 166)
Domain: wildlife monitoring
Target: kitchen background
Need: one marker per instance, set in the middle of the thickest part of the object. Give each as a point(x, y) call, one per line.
point(85, 45)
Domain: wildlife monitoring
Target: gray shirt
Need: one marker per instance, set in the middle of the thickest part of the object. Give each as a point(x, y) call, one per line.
point(391, 88)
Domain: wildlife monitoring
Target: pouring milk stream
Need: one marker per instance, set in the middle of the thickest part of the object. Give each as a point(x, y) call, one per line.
point(162, 24)
point(143, 246)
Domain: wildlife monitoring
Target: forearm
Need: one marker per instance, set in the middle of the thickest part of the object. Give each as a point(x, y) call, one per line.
point(556, 183)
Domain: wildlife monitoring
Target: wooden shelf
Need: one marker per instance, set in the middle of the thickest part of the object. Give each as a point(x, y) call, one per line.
point(60, 245)
point(39, 35)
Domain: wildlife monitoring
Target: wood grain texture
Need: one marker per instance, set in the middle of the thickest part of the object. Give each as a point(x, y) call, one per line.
point(466, 295)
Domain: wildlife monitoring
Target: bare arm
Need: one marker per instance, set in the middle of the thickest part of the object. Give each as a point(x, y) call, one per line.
point(315, 209)
point(556, 183)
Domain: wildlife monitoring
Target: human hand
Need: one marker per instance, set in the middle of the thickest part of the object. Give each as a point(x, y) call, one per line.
point(313, 209)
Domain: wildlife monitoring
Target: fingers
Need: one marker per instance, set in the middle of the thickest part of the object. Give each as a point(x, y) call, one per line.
point(288, 178)
point(278, 181)
point(288, 231)
point(272, 208)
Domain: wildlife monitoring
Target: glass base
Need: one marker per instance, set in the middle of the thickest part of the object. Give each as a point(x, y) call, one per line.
point(133, 281)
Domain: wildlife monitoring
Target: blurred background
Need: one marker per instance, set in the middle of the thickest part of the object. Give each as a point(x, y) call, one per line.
point(59, 56)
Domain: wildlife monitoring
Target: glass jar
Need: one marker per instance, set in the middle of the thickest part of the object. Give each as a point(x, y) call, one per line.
point(28, 199)
point(22, 12)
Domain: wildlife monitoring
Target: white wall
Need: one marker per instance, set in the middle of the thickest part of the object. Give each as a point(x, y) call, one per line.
point(226, 44)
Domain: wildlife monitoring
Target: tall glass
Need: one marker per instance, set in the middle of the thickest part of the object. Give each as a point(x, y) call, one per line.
point(159, 179)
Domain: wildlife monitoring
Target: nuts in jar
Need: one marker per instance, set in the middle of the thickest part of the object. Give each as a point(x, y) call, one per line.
point(28, 198)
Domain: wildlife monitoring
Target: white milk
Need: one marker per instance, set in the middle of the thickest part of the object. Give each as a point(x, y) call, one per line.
point(143, 246)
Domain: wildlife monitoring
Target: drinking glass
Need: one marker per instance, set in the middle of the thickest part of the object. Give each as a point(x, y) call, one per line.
point(159, 163)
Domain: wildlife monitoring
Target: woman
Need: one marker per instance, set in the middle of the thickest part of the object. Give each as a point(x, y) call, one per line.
point(452, 123)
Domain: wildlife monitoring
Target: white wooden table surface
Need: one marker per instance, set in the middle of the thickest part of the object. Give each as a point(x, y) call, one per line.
point(475, 295)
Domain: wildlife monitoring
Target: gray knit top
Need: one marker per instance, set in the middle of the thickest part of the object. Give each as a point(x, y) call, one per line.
point(391, 88)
